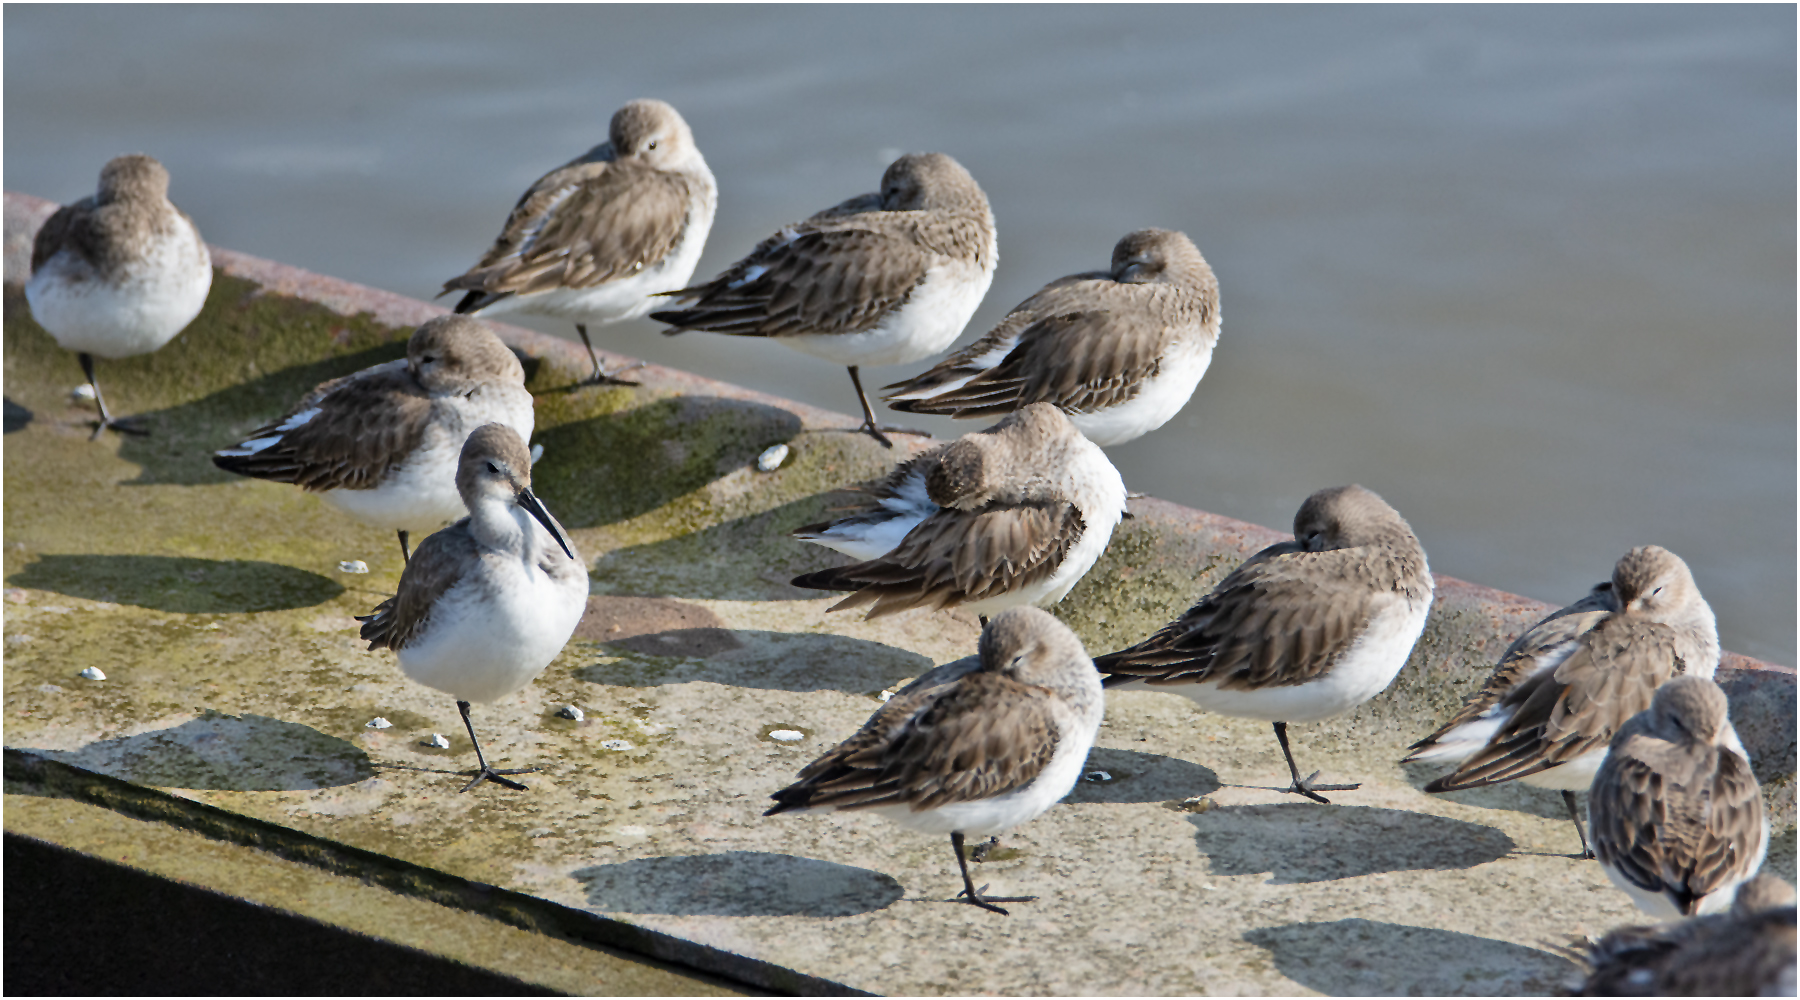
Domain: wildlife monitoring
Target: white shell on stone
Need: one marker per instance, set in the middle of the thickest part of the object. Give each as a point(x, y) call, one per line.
point(437, 740)
point(93, 674)
point(571, 712)
point(615, 745)
point(378, 723)
point(537, 452)
point(772, 457)
point(82, 391)
point(786, 735)
point(1098, 776)
point(353, 566)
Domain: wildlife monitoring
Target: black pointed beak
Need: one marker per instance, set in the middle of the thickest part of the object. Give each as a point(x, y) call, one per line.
point(529, 501)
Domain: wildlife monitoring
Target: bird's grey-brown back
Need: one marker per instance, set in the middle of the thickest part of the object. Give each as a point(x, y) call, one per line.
point(1654, 584)
point(113, 228)
point(1022, 458)
point(1352, 517)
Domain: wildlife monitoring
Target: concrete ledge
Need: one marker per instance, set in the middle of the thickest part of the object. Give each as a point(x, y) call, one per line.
point(237, 695)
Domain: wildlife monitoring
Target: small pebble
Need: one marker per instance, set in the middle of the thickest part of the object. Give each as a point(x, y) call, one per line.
point(353, 566)
point(1098, 776)
point(786, 735)
point(537, 452)
point(437, 740)
point(82, 391)
point(378, 723)
point(772, 457)
point(615, 745)
point(571, 712)
point(93, 674)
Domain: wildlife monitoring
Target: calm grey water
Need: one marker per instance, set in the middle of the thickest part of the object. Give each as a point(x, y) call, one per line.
point(1528, 273)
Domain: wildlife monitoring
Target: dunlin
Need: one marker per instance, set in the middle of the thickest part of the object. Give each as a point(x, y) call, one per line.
point(1303, 630)
point(973, 747)
point(1547, 714)
point(1015, 514)
point(383, 444)
point(880, 279)
point(487, 603)
point(119, 273)
point(592, 240)
point(1119, 351)
point(1677, 816)
point(1747, 952)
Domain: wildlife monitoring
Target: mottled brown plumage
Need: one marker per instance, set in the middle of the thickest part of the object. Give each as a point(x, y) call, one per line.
point(1746, 952)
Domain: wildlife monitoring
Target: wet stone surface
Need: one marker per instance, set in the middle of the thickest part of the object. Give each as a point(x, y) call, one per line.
point(215, 608)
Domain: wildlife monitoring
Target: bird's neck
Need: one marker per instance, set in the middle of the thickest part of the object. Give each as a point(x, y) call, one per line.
point(503, 526)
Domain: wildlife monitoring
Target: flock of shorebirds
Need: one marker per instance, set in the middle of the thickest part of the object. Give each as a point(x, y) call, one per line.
point(1612, 695)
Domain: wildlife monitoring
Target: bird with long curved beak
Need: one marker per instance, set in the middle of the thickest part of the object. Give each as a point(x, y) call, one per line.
point(485, 604)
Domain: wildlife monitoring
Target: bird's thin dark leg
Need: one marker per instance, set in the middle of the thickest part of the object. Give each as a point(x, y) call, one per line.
point(1580, 831)
point(983, 619)
point(869, 423)
point(405, 551)
point(487, 773)
point(970, 894)
point(128, 425)
point(1305, 786)
point(601, 376)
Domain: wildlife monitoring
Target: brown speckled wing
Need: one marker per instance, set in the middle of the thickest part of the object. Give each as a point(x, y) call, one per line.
point(367, 423)
point(979, 737)
point(1283, 617)
point(583, 225)
point(1641, 828)
point(437, 565)
point(60, 230)
point(955, 557)
point(1562, 714)
point(840, 275)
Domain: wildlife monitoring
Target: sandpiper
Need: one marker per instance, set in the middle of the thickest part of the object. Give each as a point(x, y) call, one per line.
point(1747, 952)
point(1119, 351)
point(119, 273)
point(592, 240)
point(1676, 814)
point(1548, 713)
point(488, 602)
point(973, 747)
point(1301, 631)
point(1014, 514)
point(383, 444)
point(880, 279)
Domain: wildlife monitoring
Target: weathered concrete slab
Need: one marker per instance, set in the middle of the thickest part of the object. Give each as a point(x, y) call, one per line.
point(235, 680)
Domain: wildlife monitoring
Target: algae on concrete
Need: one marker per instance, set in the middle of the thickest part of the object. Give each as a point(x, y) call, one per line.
point(235, 678)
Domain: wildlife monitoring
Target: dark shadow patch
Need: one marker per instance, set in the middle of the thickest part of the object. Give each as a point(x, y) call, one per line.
point(180, 584)
point(1134, 776)
point(1357, 957)
point(614, 467)
point(655, 626)
point(16, 416)
point(776, 661)
point(223, 752)
point(1297, 842)
point(737, 884)
point(178, 450)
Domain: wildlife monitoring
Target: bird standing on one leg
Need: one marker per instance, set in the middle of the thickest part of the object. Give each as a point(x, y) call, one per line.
point(488, 602)
point(118, 273)
point(594, 239)
point(880, 279)
point(1301, 631)
point(384, 444)
point(1548, 713)
point(976, 746)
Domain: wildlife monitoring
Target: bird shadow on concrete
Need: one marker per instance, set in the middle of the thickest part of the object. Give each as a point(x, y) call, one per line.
point(17, 417)
point(616, 466)
point(1299, 842)
point(252, 753)
point(1135, 776)
point(705, 650)
point(737, 884)
point(178, 450)
point(1513, 796)
point(1358, 957)
point(180, 584)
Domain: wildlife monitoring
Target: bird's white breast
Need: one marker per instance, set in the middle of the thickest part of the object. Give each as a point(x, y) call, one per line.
point(1159, 398)
point(492, 633)
point(135, 311)
point(926, 324)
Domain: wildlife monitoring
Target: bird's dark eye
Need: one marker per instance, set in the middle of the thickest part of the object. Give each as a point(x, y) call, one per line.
point(495, 469)
point(652, 144)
